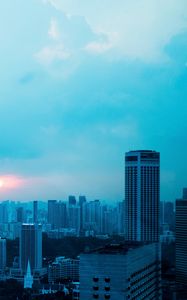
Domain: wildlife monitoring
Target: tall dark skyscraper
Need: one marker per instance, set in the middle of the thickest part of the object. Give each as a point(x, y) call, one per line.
point(181, 240)
point(20, 214)
point(142, 195)
point(35, 211)
point(72, 200)
point(31, 247)
point(2, 254)
point(52, 212)
point(82, 200)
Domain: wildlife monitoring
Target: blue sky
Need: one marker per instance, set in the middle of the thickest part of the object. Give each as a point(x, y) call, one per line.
point(82, 82)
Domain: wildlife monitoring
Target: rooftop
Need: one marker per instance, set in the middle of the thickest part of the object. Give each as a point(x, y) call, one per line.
point(122, 248)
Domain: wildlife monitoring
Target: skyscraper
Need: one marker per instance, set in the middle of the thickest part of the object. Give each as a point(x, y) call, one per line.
point(35, 211)
point(52, 212)
point(2, 254)
point(82, 200)
point(142, 195)
point(31, 247)
point(72, 200)
point(181, 241)
point(20, 214)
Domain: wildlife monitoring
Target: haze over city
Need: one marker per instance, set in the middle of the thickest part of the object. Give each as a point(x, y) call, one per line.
point(79, 89)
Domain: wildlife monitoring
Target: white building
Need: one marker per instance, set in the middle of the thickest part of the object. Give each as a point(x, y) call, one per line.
point(63, 268)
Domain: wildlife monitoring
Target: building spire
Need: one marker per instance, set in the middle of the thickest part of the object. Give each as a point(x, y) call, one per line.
point(28, 278)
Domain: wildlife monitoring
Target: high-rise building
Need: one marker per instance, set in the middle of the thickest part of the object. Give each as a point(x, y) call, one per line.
point(142, 195)
point(4, 212)
point(130, 271)
point(72, 200)
point(181, 241)
point(74, 217)
point(82, 200)
point(92, 216)
point(52, 213)
point(31, 247)
point(35, 211)
point(57, 214)
point(2, 254)
point(20, 214)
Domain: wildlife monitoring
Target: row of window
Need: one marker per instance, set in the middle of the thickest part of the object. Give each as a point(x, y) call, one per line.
point(96, 296)
point(96, 279)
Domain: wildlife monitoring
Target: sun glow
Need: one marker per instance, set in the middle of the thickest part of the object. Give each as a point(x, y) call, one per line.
point(9, 182)
point(1, 183)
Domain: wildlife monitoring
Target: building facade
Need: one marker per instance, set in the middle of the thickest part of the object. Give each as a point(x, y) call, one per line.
point(121, 272)
point(31, 247)
point(2, 254)
point(181, 241)
point(63, 268)
point(142, 195)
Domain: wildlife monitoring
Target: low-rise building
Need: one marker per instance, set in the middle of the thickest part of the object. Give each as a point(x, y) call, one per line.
point(63, 268)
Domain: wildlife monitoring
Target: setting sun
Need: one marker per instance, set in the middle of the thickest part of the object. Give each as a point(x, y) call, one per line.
point(1, 183)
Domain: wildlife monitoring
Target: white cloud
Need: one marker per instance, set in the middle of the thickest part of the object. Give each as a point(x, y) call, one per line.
point(144, 27)
point(53, 30)
point(49, 54)
point(97, 47)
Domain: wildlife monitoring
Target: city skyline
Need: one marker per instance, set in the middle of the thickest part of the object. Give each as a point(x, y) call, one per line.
point(75, 83)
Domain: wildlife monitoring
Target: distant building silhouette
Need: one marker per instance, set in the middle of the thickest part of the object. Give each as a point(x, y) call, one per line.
point(82, 200)
point(2, 254)
point(72, 200)
point(142, 195)
point(35, 211)
point(20, 214)
point(52, 213)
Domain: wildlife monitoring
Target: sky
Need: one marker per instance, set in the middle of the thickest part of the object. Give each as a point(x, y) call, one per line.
point(81, 83)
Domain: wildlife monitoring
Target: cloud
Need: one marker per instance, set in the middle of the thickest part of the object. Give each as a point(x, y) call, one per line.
point(98, 48)
point(53, 30)
point(50, 54)
point(143, 27)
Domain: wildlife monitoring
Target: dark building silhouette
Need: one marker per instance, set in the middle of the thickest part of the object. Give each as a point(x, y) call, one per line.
point(82, 200)
point(35, 211)
point(20, 214)
point(72, 200)
point(52, 213)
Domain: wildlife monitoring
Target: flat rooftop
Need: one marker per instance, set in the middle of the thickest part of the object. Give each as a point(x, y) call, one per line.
point(121, 248)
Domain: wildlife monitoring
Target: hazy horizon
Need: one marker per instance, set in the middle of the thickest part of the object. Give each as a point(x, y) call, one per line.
point(80, 88)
